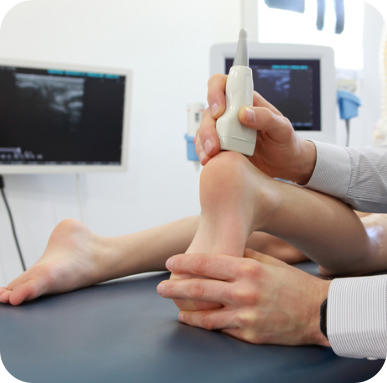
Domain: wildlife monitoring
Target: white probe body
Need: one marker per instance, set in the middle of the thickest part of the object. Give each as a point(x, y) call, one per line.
point(239, 92)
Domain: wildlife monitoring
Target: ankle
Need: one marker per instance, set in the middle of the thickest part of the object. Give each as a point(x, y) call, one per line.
point(107, 255)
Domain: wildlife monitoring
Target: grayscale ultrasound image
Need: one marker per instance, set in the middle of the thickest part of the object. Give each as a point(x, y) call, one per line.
point(62, 94)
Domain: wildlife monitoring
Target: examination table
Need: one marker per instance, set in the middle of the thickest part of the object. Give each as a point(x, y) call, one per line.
point(123, 331)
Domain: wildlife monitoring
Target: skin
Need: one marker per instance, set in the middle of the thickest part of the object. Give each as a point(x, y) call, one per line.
point(263, 300)
point(272, 299)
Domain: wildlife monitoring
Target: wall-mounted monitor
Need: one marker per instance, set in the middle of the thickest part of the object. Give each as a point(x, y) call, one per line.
point(299, 80)
point(59, 118)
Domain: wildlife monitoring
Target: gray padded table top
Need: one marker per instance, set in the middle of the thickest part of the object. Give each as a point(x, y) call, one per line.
point(124, 332)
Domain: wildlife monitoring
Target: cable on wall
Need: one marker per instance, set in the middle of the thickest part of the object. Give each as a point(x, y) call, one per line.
point(12, 223)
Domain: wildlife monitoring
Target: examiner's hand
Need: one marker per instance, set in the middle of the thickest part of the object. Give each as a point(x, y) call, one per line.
point(263, 300)
point(279, 152)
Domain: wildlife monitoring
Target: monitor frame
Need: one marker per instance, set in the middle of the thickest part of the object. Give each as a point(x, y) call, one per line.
point(325, 55)
point(63, 169)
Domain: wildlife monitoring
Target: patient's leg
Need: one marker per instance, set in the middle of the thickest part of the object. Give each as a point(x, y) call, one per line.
point(237, 199)
point(75, 257)
point(375, 260)
point(231, 200)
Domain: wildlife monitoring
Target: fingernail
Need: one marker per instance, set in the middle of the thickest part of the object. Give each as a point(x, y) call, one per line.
point(208, 146)
point(170, 263)
point(199, 150)
point(214, 109)
point(249, 115)
point(181, 317)
point(202, 156)
point(161, 287)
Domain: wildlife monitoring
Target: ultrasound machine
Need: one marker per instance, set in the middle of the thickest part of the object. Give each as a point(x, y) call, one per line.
point(299, 80)
point(58, 118)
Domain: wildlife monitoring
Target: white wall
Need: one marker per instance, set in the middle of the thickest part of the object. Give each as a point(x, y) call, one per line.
point(166, 43)
point(372, 77)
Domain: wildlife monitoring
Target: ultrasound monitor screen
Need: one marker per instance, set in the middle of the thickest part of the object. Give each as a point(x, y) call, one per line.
point(58, 117)
point(292, 86)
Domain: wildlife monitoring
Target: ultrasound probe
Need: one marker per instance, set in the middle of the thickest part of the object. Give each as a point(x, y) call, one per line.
point(239, 92)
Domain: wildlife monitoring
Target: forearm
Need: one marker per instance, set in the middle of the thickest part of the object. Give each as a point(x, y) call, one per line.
point(355, 176)
point(147, 250)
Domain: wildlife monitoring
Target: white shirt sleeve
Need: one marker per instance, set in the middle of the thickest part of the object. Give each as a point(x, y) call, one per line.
point(357, 316)
point(358, 177)
point(357, 307)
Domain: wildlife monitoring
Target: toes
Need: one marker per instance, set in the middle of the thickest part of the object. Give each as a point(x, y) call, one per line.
point(4, 295)
point(21, 293)
point(17, 290)
point(25, 292)
point(31, 284)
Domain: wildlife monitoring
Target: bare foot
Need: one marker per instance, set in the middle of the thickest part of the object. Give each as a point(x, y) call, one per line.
point(71, 260)
point(232, 196)
point(229, 187)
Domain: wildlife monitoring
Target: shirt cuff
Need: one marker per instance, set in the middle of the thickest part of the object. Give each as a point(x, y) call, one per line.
point(332, 173)
point(357, 317)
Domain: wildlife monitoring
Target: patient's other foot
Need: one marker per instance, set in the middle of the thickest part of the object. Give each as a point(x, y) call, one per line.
point(70, 261)
point(235, 198)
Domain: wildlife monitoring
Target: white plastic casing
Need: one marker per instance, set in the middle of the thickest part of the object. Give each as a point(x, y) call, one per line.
point(239, 92)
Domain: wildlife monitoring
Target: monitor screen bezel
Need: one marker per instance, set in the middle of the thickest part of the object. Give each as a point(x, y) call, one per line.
point(74, 168)
point(220, 52)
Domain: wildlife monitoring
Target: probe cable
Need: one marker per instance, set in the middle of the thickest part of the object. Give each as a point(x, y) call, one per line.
point(12, 223)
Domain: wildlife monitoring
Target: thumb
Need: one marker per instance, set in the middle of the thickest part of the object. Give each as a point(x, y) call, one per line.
point(267, 122)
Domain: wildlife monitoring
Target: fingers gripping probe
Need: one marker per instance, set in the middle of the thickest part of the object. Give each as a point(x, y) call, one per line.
point(239, 92)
